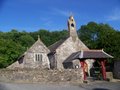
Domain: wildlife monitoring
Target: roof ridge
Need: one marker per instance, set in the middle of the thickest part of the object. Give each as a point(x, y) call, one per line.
point(93, 50)
point(54, 43)
point(107, 54)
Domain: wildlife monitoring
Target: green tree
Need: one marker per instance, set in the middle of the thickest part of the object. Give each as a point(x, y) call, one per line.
point(26, 40)
point(101, 36)
point(9, 52)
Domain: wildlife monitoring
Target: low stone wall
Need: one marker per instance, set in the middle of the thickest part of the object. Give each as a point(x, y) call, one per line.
point(109, 76)
point(41, 76)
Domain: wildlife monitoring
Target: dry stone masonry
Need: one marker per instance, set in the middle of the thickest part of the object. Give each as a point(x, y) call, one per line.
point(41, 76)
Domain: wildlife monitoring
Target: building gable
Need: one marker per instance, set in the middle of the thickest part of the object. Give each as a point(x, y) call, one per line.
point(34, 57)
point(37, 47)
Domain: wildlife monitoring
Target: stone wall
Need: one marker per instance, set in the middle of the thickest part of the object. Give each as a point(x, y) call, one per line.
point(66, 49)
point(28, 60)
point(41, 76)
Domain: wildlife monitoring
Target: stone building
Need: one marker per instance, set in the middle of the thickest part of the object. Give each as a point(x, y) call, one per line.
point(66, 53)
point(34, 57)
point(62, 49)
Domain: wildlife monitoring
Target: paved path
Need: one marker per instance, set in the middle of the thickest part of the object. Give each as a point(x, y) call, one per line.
point(92, 86)
point(102, 86)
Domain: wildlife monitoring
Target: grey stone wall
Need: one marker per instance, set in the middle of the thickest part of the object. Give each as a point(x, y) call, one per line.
point(66, 49)
point(29, 57)
point(29, 61)
point(41, 76)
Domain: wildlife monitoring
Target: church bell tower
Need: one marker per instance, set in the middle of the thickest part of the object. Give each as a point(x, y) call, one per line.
point(72, 28)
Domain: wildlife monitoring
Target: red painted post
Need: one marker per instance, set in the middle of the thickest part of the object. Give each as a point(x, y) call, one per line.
point(85, 76)
point(103, 69)
point(82, 65)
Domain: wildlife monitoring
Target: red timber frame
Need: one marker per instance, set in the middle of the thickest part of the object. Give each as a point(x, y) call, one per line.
point(82, 62)
point(102, 62)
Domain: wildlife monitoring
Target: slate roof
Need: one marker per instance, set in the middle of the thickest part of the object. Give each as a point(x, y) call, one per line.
point(95, 54)
point(88, 54)
point(54, 46)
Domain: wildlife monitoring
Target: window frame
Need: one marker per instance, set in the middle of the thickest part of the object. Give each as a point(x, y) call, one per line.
point(38, 57)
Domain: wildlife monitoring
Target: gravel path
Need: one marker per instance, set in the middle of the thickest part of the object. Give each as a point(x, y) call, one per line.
point(92, 86)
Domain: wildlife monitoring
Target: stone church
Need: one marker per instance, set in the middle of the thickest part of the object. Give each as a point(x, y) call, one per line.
point(68, 53)
point(62, 49)
point(34, 57)
point(54, 57)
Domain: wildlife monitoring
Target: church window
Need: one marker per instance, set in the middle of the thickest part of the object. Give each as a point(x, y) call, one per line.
point(38, 57)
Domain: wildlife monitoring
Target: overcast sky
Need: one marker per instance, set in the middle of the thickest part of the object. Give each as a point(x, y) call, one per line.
point(32, 15)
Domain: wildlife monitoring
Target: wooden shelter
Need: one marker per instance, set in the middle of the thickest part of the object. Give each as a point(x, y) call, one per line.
point(99, 55)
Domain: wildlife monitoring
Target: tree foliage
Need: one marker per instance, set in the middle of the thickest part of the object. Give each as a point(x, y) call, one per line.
point(14, 43)
point(95, 36)
point(101, 36)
